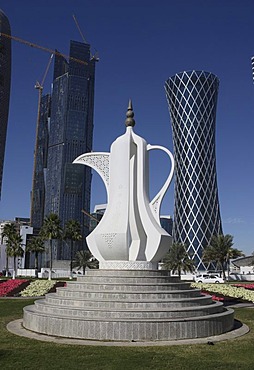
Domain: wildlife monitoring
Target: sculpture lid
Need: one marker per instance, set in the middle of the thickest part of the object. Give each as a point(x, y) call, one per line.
point(130, 122)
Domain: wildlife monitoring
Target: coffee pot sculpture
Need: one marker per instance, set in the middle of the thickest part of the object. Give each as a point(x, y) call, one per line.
point(129, 234)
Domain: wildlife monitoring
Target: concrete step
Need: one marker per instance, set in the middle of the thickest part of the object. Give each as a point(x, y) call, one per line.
point(128, 329)
point(110, 313)
point(126, 295)
point(126, 273)
point(127, 279)
point(54, 299)
point(127, 287)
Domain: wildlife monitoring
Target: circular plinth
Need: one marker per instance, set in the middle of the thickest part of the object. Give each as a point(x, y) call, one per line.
point(128, 305)
point(16, 327)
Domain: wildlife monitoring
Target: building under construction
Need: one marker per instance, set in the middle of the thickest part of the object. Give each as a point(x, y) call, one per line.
point(64, 131)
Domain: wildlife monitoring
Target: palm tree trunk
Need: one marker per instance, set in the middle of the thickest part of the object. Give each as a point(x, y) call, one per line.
point(71, 259)
point(50, 259)
point(223, 270)
point(228, 268)
point(14, 267)
point(36, 264)
point(36, 261)
point(7, 265)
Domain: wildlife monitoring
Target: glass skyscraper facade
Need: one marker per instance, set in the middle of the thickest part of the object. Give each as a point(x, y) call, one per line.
point(70, 133)
point(192, 100)
point(5, 84)
point(40, 164)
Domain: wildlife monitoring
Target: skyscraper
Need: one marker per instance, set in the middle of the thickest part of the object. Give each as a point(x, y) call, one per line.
point(40, 163)
point(68, 186)
point(65, 130)
point(192, 99)
point(5, 83)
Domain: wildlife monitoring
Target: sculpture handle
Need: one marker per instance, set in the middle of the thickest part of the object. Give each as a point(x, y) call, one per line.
point(155, 204)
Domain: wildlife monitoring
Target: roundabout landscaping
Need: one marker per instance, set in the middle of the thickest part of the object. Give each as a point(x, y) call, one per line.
point(238, 292)
point(27, 353)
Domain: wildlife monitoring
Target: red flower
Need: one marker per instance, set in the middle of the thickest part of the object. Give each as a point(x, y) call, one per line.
point(8, 286)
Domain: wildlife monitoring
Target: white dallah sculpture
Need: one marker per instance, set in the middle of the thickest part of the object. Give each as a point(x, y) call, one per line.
point(130, 228)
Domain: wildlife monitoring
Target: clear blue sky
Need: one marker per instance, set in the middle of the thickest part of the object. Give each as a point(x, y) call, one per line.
point(141, 43)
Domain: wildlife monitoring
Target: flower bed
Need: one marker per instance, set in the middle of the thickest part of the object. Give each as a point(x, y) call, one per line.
point(38, 288)
point(226, 290)
point(214, 297)
point(13, 286)
point(246, 286)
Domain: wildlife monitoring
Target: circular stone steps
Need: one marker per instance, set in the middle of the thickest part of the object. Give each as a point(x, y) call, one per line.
point(53, 299)
point(127, 279)
point(127, 286)
point(139, 305)
point(126, 295)
point(111, 313)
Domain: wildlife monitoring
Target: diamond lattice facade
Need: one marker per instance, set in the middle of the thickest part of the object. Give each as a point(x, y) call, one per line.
point(5, 83)
point(192, 99)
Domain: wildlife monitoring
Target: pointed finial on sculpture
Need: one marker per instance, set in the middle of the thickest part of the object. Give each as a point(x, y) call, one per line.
point(130, 122)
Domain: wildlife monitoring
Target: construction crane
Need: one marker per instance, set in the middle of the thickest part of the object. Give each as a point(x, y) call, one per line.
point(81, 34)
point(93, 57)
point(33, 45)
point(89, 215)
point(38, 85)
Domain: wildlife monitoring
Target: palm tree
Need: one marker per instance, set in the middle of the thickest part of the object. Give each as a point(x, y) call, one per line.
point(72, 232)
point(85, 259)
point(220, 251)
point(8, 231)
point(51, 230)
point(177, 259)
point(15, 250)
point(35, 245)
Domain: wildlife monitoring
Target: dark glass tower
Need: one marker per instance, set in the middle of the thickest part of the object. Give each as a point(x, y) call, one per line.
point(68, 186)
point(5, 84)
point(192, 99)
point(40, 163)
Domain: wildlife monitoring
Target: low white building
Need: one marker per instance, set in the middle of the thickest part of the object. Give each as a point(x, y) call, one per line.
point(243, 269)
point(24, 229)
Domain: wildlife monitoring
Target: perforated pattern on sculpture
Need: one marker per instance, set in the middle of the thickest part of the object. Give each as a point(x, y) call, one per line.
point(127, 265)
point(100, 162)
point(109, 239)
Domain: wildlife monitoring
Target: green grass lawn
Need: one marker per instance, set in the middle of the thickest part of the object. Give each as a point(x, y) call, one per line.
point(23, 353)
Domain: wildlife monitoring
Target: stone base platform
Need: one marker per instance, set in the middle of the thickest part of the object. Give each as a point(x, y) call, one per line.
point(128, 305)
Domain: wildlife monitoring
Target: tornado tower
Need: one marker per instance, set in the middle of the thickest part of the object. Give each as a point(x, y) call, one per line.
point(192, 100)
